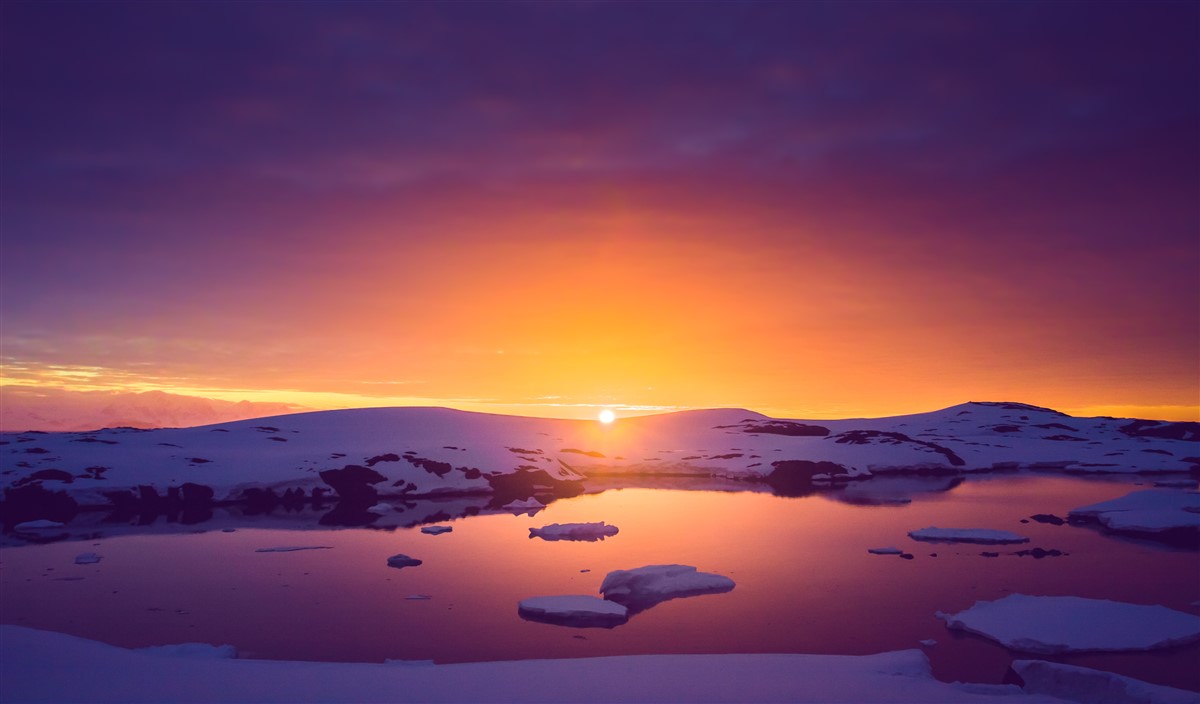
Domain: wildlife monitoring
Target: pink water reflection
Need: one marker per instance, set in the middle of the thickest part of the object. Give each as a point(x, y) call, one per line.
point(805, 582)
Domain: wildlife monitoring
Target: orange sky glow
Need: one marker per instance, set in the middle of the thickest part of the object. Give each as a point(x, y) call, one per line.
point(695, 222)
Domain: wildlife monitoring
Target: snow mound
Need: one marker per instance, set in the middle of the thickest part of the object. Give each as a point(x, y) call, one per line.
point(192, 650)
point(641, 588)
point(295, 548)
point(87, 558)
point(1146, 511)
point(590, 532)
point(1071, 624)
point(1083, 684)
point(436, 530)
point(401, 560)
point(982, 536)
point(577, 611)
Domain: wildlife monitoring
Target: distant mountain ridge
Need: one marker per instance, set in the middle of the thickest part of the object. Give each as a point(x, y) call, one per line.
point(32, 408)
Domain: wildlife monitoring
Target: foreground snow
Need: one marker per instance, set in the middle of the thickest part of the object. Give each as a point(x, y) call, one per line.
point(39, 666)
point(1094, 686)
point(1071, 624)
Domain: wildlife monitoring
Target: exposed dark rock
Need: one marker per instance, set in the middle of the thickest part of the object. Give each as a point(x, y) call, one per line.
point(106, 442)
point(441, 469)
point(863, 437)
point(783, 427)
point(34, 502)
point(52, 475)
point(1066, 438)
point(521, 451)
point(1160, 452)
point(266, 429)
point(1006, 428)
point(794, 477)
point(353, 482)
point(192, 494)
point(277, 439)
point(1011, 406)
point(525, 483)
point(36, 451)
point(1039, 553)
point(1056, 426)
point(198, 460)
point(589, 453)
point(1168, 430)
point(731, 456)
point(1048, 518)
point(389, 457)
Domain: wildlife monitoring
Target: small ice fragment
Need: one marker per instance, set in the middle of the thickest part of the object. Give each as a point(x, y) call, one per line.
point(436, 530)
point(87, 558)
point(885, 551)
point(402, 560)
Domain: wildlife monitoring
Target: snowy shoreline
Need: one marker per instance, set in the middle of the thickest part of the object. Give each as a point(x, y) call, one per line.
point(42, 666)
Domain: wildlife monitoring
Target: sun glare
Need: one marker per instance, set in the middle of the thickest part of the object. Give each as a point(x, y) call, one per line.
point(607, 416)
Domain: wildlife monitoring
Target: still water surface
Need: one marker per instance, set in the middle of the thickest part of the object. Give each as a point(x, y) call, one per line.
point(805, 582)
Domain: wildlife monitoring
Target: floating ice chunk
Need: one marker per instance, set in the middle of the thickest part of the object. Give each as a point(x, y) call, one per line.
point(295, 548)
point(983, 536)
point(402, 560)
point(87, 558)
point(1146, 511)
point(1083, 684)
point(436, 530)
point(574, 531)
point(578, 611)
point(523, 505)
point(885, 551)
point(1071, 624)
point(38, 525)
point(202, 651)
point(641, 588)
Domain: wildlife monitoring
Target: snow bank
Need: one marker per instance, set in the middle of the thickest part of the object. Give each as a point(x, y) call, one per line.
point(578, 611)
point(39, 666)
point(574, 531)
point(983, 536)
point(641, 588)
point(1071, 624)
point(1083, 684)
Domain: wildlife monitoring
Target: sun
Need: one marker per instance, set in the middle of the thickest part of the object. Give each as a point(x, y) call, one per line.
point(607, 416)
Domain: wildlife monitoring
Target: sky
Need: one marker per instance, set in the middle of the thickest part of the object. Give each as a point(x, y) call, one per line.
point(808, 209)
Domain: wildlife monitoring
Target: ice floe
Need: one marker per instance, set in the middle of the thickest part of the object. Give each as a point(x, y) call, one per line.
point(1071, 624)
point(1083, 684)
point(295, 548)
point(643, 587)
point(574, 531)
point(885, 551)
point(436, 530)
point(402, 560)
point(87, 558)
point(982, 536)
point(1146, 511)
point(579, 611)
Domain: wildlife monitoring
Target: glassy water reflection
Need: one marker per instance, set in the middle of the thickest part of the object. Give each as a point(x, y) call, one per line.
point(805, 582)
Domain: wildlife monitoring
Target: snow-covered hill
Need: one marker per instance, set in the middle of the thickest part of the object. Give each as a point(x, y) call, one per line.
point(363, 454)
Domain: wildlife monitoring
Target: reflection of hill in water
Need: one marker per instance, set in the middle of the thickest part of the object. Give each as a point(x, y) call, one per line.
point(392, 514)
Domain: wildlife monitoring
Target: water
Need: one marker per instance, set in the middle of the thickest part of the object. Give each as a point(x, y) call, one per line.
point(805, 582)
